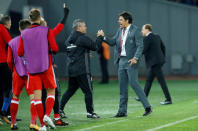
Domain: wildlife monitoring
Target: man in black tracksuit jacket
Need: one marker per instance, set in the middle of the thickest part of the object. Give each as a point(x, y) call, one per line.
point(78, 46)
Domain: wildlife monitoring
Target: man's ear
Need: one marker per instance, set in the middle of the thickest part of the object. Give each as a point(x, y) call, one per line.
point(127, 21)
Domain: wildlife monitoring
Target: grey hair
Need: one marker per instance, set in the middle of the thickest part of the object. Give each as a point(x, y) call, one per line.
point(77, 23)
point(1, 15)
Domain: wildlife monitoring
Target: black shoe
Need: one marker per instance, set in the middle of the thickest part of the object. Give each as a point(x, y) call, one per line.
point(62, 114)
point(14, 127)
point(18, 119)
point(92, 115)
point(166, 102)
point(148, 111)
point(120, 115)
point(137, 99)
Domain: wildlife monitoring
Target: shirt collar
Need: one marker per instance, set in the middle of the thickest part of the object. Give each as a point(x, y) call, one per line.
point(128, 27)
point(34, 25)
point(148, 33)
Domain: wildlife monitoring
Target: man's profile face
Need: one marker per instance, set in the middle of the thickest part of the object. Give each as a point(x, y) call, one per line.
point(9, 24)
point(144, 31)
point(83, 28)
point(123, 23)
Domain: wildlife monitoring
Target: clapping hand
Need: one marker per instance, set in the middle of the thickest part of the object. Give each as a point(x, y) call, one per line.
point(100, 33)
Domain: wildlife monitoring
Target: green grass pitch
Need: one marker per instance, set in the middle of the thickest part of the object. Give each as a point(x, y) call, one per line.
point(182, 115)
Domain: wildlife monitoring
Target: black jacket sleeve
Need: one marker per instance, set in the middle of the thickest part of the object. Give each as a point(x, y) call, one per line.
point(163, 48)
point(66, 12)
point(146, 44)
point(86, 42)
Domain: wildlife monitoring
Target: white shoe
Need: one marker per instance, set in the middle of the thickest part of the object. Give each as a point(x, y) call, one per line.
point(48, 120)
point(43, 128)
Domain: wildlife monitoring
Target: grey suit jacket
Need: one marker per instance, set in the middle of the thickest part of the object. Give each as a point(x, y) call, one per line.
point(133, 45)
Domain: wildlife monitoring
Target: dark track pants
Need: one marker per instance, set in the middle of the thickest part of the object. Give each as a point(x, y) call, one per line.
point(84, 83)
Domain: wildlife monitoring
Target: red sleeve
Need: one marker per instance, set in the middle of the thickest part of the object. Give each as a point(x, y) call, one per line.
point(6, 35)
point(10, 59)
point(57, 29)
point(52, 42)
point(20, 51)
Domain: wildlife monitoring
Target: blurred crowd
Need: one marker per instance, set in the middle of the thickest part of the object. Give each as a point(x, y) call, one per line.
point(188, 2)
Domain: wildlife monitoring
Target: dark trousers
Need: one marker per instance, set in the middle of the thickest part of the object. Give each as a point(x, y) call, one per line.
point(84, 83)
point(104, 70)
point(57, 98)
point(5, 82)
point(156, 71)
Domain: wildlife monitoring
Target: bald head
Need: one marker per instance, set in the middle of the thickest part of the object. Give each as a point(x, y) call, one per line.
point(146, 29)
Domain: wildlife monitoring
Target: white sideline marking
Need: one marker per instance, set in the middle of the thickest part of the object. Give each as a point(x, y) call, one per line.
point(173, 123)
point(110, 123)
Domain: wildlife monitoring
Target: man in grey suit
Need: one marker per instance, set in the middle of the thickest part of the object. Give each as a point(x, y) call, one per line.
point(128, 50)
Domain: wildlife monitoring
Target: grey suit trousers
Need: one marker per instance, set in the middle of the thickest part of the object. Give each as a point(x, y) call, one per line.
point(127, 73)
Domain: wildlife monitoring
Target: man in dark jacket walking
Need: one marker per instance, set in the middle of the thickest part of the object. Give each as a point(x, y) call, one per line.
point(154, 52)
point(78, 46)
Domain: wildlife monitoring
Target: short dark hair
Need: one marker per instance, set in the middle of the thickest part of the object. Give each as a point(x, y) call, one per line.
point(148, 27)
point(23, 24)
point(5, 19)
point(34, 14)
point(127, 16)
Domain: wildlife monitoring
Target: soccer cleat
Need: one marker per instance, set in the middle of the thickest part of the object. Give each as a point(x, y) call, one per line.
point(48, 120)
point(43, 128)
point(62, 114)
point(14, 127)
point(34, 127)
point(60, 122)
point(1, 123)
point(4, 117)
point(92, 115)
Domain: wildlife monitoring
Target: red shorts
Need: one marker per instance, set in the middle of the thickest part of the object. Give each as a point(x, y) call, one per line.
point(18, 83)
point(46, 79)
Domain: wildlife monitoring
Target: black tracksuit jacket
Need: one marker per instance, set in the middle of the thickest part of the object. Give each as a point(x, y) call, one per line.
point(78, 46)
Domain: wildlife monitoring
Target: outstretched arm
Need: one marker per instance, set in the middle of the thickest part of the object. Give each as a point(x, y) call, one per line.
point(66, 12)
point(52, 42)
point(87, 43)
point(56, 30)
point(109, 41)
